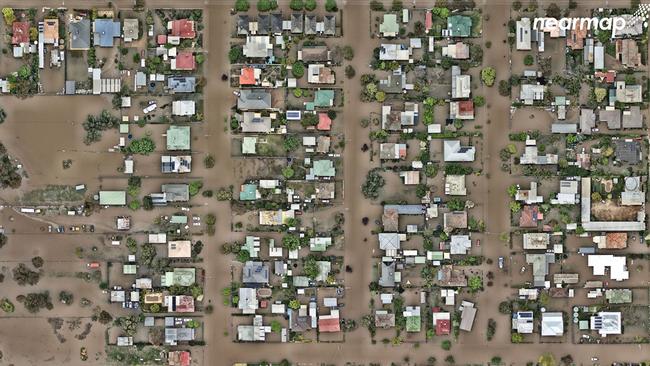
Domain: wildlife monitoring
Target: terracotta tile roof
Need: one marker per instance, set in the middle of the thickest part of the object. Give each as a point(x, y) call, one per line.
point(20, 33)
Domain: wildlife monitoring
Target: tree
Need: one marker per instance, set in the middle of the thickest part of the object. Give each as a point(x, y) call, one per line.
point(516, 5)
point(421, 190)
point(263, 5)
point(298, 69)
point(504, 88)
point(291, 242)
point(37, 262)
point(373, 184)
point(380, 96)
point(554, 11)
point(456, 204)
point(488, 75)
point(547, 359)
point(516, 338)
point(311, 268)
point(529, 60)
point(105, 317)
point(66, 297)
point(243, 255)
point(8, 14)
point(294, 304)
point(236, 53)
point(600, 94)
point(3, 115)
point(35, 301)
point(475, 283)
point(291, 143)
point(446, 344)
point(296, 5)
point(348, 52)
point(24, 276)
point(515, 206)
point(330, 5)
point(148, 254)
point(479, 101)
point(397, 5)
point(143, 146)
point(242, 5)
point(195, 187)
point(496, 360)
point(376, 5)
point(310, 5)
point(7, 306)
point(512, 190)
point(349, 72)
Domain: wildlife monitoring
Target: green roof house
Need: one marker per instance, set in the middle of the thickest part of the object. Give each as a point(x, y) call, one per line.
point(389, 27)
point(178, 138)
point(323, 168)
point(459, 26)
point(324, 98)
point(248, 192)
point(179, 276)
point(112, 198)
point(178, 219)
point(413, 319)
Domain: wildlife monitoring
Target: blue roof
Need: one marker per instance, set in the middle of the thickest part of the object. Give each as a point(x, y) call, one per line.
point(105, 30)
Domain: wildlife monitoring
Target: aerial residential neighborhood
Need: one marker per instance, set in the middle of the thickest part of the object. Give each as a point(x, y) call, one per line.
point(307, 182)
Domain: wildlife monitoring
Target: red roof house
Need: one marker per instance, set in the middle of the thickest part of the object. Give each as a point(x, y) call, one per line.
point(184, 304)
point(184, 61)
point(324, 122)
point(428, 21)
point(179, 358)
point(329, 325)
point(183, 28)
point(162, 39)
point(247, 76)
point(443, 327)
point(20, 32)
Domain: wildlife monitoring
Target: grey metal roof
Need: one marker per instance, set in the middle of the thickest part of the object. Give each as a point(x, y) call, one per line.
point(406, 209)
point(255, 272)
point(628, 151)
point(182, 84)
point(310, 24)
point(242, 24)
point(276, 23)
point(297, 22)
point(330, 25)
point(80, 34)
point(254, 99)
point(176, 192)
point(104, 31)
point(264, 24)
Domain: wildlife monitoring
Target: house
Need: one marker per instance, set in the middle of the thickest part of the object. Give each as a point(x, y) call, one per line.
point(455, 185)
point(394, 52)
point(632, 118)
point(329, 25)
point(389, 26)
point(611, 241)
point(104, 30)
point(587, 120)
point(632, 28)
point(531, 157)
point(460, 84)
point(178, 192)
point(179, 358)
point(253, 99)
point(248, 302)
point(276, 23)
point(255, 273)
point(441, 321)
point(179, 303)
point(181, 84)
point(529, 196)
point(455, 220)
point(384, 320)
point(413, 319)
point(175, 335)
point(552, 324)
point(522, 322)
point(131, 29)
point(183, 108)
point(462, 110)
point(523, 34)
point(258, 47)
point(628, 151)
point(388, 275)
point(468, 313)
point(460, 244)
point(314, 54)
point(628, 93)
point(389, 242)
point(530, 93)
point(599, 56)
point(311, 26)
point(179, 249)
point(568, 194)
point(617, 266)
point(611, 116)
point(112, 198)
point(448, 276)
point(324, 98)
point(253, 333)
point(576, 37)
point(627, 52)
point(632, 194)
point(459, 26)
point(320, 74)
point(456, 51)
point(321, 169)
point(618, 296)
point(249, 192)
point(79, 34)
point(178, 277)
point(249, 75)
point(297, 20)
point(392, 151)
point(178, 138)
point(536, 241)
point(324, 122)
point(181, 28)
point(540, 263)
point(176, 164)
point(51, 31)
point(184, 61)
point(255, 122)
point(606, 323)
point(455, 152)
point(20, 33)
point(329, 323)
point(275, 218)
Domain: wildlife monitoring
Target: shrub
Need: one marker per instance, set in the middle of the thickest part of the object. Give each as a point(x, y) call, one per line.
point(373, 184)
point(208, 162)
point(24, 276)
point(446, 344)
point(291, 143)
point(288, 172)
point(143, 146)
point(330, 5)
point(376, 5)
point(348, 52)
point(479, 101)
point(504, 88)
point(529, 60)
point(37, 262)
point(350, 72)
point(310, 5)
point(242, 5)
point(7, 306)
point(195, 187)
point(66, 297)
point(296, 5)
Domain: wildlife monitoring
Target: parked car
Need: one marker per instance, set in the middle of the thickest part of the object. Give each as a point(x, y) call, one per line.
point(501, 260)
point(93, 265)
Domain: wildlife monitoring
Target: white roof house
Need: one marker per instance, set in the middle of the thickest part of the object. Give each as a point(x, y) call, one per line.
point(460, 244)
point(247, 300)
point(394, 52)
point(617, 266)
point(523, 34)
point(183, 108)
point(536, 241)
point(529, 93)
point(552, 324)
point(606, 323)
point(454, 151)
point(460, 84)
point(258, 47)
